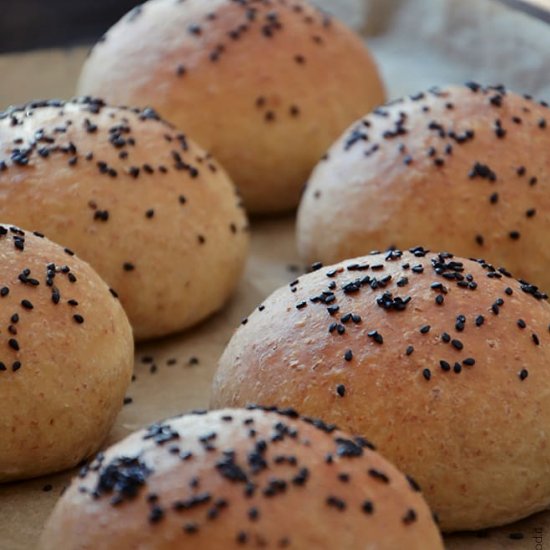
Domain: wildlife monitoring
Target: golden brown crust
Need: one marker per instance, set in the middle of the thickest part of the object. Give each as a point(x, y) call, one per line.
point(442, 362)
point(265, 86)
point(66, 359)
point(150, 210)
point(238, 478)
point(461, 168)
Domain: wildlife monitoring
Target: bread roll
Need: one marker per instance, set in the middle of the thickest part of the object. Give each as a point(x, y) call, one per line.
point(463, 168)
point(241, 479)
point(154, 214)
point(443, 363)
point(265, 86)
point(66, 360)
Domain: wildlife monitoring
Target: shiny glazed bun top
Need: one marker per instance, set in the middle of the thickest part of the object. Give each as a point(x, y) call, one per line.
point(461, 168)
point(154, 214)
point(442, 362)
point(242, 479)
point(265, 85)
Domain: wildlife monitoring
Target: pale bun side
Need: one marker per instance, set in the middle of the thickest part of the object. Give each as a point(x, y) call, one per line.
point(240, 478)
point(265, 86)
point(66, 357)
point(461, 168)
point(443, 363)
point(153, 213)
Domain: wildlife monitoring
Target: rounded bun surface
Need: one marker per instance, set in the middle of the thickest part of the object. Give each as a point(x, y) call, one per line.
point(241, 479)
point(66, 357)
point(154, 214)
point(443, 363)
point(460, 168)
point(266, 86)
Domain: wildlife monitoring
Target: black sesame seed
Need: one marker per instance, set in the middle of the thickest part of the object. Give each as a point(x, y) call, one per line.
point(376, 336)
point(521, 323)
point(409, 350)
point(523, 374)
point(427, 374)
point(367, 507)
point(341, 390)
point(190, 528)
point(409, 517)
point(378, 475)
point(348, 355)
point(156, 514)
point(457, 344)
point(78, 318)
point(335, 502)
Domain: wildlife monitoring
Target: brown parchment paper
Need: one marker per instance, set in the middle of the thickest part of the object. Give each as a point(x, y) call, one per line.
point(418, 43)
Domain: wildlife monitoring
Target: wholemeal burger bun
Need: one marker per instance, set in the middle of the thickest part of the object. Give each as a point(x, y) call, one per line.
point(462, 168)
point(241, 479)
point(266, 86)
point(155, 215)
point(443, 363)
point(66, 356)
